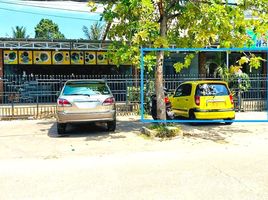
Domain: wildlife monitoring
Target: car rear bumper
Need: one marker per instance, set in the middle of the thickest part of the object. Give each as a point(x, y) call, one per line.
point(104, 116)
point(215, 114)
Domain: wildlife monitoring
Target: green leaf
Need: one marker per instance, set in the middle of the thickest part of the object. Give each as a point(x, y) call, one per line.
point(92, 5)
point(255, 61)
point(187, 62)
point(243, 60)
point(161, 42)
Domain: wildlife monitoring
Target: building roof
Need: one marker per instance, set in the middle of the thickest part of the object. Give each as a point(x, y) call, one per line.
point(65, 44)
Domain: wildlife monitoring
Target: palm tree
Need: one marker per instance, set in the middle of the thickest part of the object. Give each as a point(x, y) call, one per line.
point(94, 33)
point(19, 32)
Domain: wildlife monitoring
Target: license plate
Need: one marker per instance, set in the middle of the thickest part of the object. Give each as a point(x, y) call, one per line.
point(86, 105)
point(216, 105)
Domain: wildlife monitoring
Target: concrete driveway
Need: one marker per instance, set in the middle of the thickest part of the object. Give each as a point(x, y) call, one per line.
point(212, 161)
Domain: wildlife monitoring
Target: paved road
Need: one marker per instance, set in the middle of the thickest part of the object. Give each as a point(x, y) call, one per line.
point(210, 162)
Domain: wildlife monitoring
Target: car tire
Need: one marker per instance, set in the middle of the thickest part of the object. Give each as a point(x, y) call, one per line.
point(192, 117)
point(228, 123)
point(111, 126)
point(61, 128)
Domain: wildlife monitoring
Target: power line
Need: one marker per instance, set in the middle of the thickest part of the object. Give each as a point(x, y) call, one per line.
point(45, 7)
point(66, 17)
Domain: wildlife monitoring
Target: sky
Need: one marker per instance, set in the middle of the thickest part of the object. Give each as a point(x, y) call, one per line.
point(70, 16)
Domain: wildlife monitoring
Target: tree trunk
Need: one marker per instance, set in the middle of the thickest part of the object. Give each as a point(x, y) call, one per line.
point(161, 107)
point(202, 65)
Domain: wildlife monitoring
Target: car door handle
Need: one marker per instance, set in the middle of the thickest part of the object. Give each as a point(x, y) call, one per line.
point(186, 99)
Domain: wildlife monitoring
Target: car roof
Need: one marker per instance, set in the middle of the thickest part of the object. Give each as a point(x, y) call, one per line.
point(205, 81)
point(86, 81)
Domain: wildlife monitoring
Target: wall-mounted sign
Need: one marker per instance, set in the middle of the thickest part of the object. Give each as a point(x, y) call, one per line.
point(26, 57)
point(90, 58)
point(10, 57)
point(61, 57)
point(50, 57)
point(42, 57)
point(77, 57)
point(102, 58)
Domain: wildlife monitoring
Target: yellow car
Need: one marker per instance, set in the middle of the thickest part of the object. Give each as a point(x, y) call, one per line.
point(203, 100)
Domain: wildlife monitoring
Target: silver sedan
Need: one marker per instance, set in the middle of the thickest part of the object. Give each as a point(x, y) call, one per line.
point(85, 101)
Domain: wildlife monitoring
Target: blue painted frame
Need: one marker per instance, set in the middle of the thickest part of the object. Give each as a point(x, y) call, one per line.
point(142, 50)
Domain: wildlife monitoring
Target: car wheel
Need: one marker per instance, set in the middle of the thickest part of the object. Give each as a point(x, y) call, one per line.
point(228, 123)
point(61, 128)
point(192, 117)
point(111, 126)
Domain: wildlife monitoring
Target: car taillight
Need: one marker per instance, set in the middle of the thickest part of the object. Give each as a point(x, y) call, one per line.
point(63, 102)
point(108, 101)
point(197, 100)
point(166, 99)
point(231, 99)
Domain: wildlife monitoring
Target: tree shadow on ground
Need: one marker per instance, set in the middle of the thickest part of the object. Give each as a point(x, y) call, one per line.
point(216, 132)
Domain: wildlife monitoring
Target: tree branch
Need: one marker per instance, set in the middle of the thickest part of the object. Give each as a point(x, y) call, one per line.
point(172, 4)
point(221, 3)
point(161, 10)
point(173, 16)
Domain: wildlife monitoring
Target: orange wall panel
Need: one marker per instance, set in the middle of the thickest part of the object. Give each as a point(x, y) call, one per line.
point(77, 57)
point(42, 57)
point(25, 57)
point(61, 57)
point(10, 57)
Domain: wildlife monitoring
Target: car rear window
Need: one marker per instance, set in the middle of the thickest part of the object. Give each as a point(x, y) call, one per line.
point(208, 89)
point(84, 88)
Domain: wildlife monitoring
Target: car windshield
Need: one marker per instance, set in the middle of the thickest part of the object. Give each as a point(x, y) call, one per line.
point(209, 89)
point(85, 88)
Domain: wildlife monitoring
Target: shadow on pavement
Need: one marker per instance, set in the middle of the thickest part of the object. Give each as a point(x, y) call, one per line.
point(95, 131)
point(216, 132)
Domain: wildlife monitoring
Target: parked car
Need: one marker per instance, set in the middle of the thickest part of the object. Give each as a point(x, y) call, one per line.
point(85, 101)
point(203, 100)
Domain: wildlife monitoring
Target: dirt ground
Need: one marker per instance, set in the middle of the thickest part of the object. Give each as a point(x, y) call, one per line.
point(39, 139)
point(211, 161)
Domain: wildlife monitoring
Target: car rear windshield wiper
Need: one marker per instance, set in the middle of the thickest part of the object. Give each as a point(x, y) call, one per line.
point(78, 94)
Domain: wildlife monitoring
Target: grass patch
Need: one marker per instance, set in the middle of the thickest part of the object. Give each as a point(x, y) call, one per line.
point(147, 116)
point(162, 131)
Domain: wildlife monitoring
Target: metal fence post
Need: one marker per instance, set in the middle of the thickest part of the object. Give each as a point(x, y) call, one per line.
point(12, 107)
point(239, 94)
point(239, 100)
point(37, 106)
point(126, 82)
